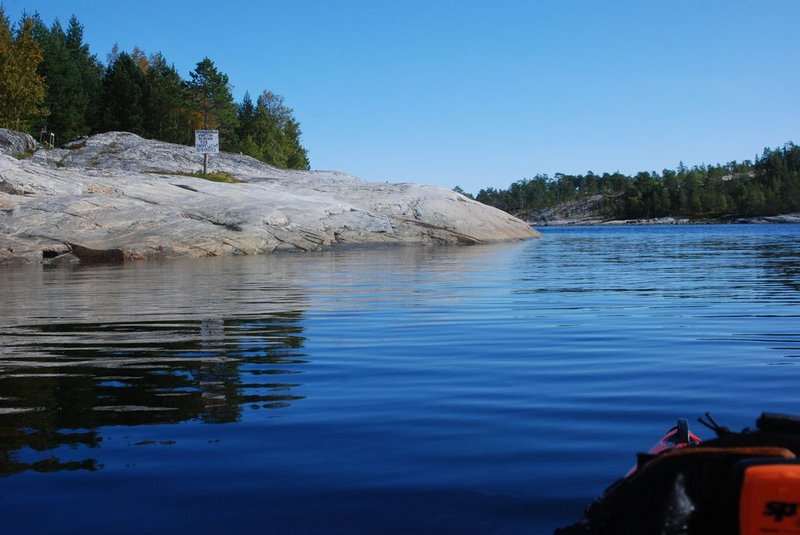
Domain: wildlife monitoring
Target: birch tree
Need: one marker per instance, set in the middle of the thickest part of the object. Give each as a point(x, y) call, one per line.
point(21, 87)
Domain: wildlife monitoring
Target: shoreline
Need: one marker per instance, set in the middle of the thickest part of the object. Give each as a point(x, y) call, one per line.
point(783, 219)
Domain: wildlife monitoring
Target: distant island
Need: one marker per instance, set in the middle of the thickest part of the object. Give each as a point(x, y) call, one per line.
point(764, 189)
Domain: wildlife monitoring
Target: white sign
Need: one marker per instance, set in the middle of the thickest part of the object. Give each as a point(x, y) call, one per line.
point(206, 141)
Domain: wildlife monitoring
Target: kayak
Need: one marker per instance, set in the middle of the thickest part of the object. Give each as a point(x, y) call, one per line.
point(677, 437)
point(738, 483)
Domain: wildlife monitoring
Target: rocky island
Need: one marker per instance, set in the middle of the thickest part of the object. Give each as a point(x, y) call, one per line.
point(118, 197)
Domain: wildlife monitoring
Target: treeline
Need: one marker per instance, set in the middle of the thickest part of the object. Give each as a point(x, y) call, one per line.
point(769, 185)
point(51, 84)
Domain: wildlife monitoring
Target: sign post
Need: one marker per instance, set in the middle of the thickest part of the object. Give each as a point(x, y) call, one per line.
point(206, 142)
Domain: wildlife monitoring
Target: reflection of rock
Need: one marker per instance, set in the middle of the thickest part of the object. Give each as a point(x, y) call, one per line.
point(138, 374)
point(143, 344)
point(117, 196)
point(212, 331)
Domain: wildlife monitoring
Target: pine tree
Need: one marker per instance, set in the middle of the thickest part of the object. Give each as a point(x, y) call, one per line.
point(212, 102)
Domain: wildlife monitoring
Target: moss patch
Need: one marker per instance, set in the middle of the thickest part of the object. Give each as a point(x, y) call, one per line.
point(220, 176)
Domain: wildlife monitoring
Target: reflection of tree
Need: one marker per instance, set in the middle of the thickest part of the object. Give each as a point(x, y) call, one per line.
point(81, 377)
point(784, 261)
point(20, 431)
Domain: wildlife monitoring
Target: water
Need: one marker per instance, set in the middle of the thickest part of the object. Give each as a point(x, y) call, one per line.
point(490, 389)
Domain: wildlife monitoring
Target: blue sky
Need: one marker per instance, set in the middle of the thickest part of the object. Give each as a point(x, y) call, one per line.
point(483, 93)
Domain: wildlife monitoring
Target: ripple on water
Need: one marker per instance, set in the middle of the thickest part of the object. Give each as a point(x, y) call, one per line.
point(472, 390)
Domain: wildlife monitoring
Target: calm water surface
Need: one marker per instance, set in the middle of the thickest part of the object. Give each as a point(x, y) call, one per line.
point(491, 389)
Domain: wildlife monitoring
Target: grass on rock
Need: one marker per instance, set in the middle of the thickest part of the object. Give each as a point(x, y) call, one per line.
point(219, 176)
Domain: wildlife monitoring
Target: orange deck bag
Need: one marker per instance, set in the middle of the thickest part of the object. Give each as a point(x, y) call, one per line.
point(770, 500)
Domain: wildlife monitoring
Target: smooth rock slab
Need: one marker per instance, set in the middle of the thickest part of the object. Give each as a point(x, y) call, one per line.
point(117, 196)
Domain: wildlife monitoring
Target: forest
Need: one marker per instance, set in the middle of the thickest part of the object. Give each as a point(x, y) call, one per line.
point(53, 87)
point(767, 185)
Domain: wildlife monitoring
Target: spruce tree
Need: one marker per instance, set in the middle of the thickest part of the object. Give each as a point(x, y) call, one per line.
point(246, 114)
point(89, 101)
point(68, 98)
point(277, 133)
point(123, 90)
point(267, 129)
point(246, 129)
point(297, 156)
point(166, 114)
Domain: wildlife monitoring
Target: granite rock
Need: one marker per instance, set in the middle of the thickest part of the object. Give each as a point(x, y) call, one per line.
point(116, 196)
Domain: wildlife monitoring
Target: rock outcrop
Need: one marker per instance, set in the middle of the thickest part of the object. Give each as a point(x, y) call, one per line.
point(598, 210)
point(116, 196)
point(590, 211)
point(16, 144)
point(593, 210)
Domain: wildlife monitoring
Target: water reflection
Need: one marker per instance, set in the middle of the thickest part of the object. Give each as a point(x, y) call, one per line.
point(60, 381)
point(83, 348)
point(428, 374)
point(784, 260)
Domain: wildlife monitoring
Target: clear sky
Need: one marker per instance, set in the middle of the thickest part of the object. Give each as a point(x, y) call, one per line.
point(483, 93)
